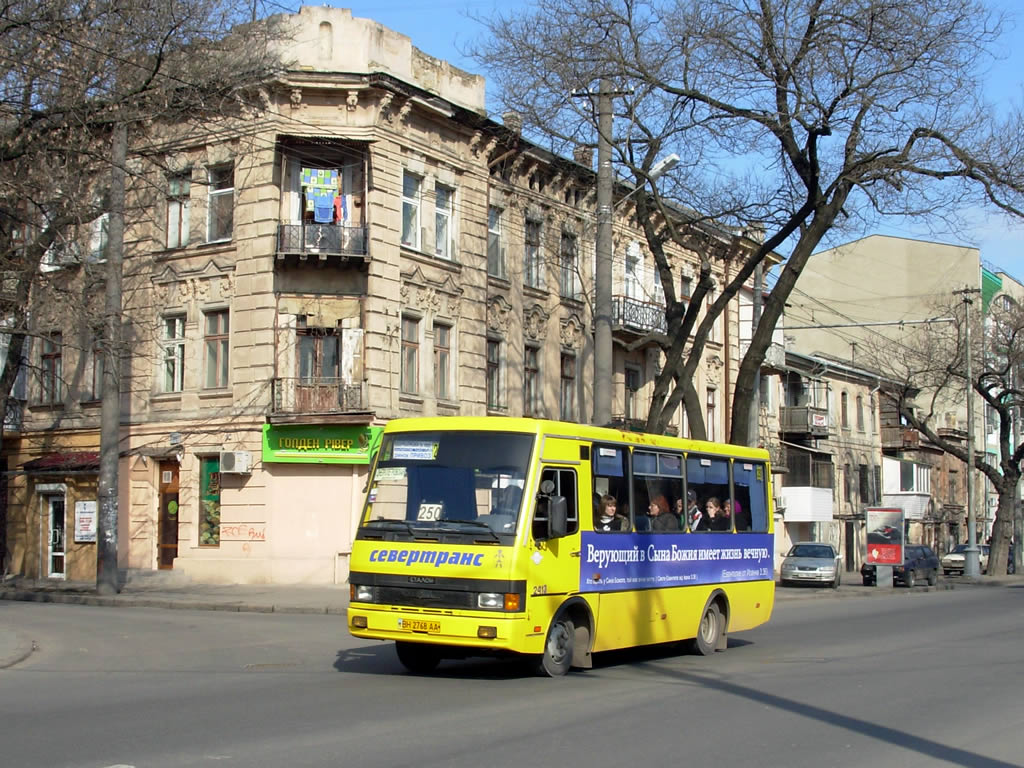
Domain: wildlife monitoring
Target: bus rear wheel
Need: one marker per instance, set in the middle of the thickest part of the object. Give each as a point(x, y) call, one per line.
point(558, 648)
point(709, 631)
point(417, 658)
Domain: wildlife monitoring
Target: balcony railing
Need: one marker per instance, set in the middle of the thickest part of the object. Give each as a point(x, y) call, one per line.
point(803, 420)
point(637, 316)
point(295, 395)
point(15, 415)
point(895, 438)
point(321, 240)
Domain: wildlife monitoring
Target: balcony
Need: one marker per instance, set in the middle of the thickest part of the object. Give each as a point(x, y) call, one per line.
point(308, 397)
point(321, 240)
point(803, 420)
point(900, 438)
point(633, 318)
point(14, 417)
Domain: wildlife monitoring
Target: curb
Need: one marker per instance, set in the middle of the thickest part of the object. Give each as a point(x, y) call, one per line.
point(132, 601)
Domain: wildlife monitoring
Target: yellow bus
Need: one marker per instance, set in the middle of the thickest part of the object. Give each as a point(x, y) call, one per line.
point(491, 536)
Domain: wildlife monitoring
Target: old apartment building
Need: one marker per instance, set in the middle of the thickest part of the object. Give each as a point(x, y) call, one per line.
point(370, 246)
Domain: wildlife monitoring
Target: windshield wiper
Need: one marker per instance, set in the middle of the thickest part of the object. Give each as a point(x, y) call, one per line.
point(475, 523)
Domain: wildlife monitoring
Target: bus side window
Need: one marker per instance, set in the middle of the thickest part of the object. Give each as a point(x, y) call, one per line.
point(611, 478)
point(752, 494)
point(566, 486)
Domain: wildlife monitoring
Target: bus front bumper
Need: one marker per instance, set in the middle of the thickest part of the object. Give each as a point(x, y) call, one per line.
point(485, 631)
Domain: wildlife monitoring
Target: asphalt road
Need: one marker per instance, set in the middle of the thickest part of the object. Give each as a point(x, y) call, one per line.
point(928, 679)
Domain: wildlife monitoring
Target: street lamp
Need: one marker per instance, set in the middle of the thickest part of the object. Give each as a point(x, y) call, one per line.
point(658, 170)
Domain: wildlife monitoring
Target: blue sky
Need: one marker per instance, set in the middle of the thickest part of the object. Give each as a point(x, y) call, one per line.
point(441, 27)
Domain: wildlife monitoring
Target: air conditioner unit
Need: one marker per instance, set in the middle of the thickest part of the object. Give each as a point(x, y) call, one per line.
point(235, 462)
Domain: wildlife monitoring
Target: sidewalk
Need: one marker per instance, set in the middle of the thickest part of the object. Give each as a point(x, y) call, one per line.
point(299, 598)
point(262, 598)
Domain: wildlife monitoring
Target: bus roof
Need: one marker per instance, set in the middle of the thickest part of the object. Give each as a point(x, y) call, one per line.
point(568, 430)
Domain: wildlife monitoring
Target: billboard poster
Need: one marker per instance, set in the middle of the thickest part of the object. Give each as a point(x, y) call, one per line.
point(885, 536)
point(614, 562)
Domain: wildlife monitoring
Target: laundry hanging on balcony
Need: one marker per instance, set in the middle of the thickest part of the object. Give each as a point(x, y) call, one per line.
point(321, 189)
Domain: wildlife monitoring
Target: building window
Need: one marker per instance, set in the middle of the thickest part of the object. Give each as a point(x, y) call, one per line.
point(686, 287)
point(411, 210)
point(567, 267)
point(533, 264)
point(634, 271)
point(632, 387)
point(177, 209)
point(495, 250)
point(217, 330)
point(713, 331)
point(860, 413)
point(209, 501)
point(864, 481)
point(494, 399)
point(442, 362)
point(531, 381)
point(712, 394)
point(567, 388)
point(844, 410)
point(319, 354)
point(410, 378)
point(221, 203)
point(99, 238)
point(96, 358)
point(173, 342)
point(51, 369)
point(847, 484)
point(443, 236)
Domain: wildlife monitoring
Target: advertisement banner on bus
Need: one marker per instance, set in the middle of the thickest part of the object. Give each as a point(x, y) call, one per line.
point(885, 536)
point(614, 562)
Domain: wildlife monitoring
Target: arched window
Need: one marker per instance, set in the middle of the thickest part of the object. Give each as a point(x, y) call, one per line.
point(844, 410)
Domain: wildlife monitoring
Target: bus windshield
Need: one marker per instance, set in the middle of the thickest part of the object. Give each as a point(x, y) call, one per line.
point(462, 482)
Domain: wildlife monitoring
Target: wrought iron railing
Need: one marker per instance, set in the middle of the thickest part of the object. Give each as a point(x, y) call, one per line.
point(321, 239)
point(326, 395)
point(637, 315)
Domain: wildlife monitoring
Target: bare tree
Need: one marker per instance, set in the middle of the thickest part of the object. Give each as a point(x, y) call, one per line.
point(69, 74)
point(798, 119)
point(928, 368)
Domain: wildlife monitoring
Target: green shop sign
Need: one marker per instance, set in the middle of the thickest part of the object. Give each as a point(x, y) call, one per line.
point(313, 444)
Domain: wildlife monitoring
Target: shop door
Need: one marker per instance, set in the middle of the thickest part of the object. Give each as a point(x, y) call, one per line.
point(168, 544)
point(55, 506)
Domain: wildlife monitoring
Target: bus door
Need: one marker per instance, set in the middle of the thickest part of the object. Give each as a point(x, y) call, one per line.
point(554, 567)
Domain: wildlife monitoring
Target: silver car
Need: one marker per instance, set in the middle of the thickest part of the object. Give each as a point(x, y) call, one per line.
point(811, 562)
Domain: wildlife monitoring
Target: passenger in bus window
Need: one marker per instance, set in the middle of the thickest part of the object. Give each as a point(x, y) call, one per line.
point(693, 515)
point(701, 520)
point(721, 520)
point(742, 518)
point(607, 518)
point(661, 518)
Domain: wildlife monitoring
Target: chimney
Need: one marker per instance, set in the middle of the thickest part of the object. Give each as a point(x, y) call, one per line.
point(514, 122)
point(584, 155)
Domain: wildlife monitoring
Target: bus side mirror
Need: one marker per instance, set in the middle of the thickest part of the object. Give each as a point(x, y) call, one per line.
point(558, 512)
point(551, 518)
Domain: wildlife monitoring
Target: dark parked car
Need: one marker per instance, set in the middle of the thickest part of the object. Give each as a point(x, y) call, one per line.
point(919, 562)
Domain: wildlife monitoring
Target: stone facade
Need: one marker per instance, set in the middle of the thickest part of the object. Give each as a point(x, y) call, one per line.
point(274, 331)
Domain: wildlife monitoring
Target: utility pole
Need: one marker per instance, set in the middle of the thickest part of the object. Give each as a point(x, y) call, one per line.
point(110, 414)
point(972, 566)
point(603, 268)
point(755, 318)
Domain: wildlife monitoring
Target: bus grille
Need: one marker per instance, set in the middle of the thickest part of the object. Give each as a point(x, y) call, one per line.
point(434, 598)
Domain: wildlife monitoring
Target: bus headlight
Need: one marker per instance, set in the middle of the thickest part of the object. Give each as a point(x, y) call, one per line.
point(490, 601)
point(499, 601)
point(361, 593)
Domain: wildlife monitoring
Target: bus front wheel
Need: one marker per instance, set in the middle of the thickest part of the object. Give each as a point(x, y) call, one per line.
point(417, 658)
point(558, 648)
point(709, 631)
